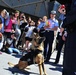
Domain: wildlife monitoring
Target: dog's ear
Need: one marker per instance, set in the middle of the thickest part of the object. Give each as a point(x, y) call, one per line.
point(41, 39)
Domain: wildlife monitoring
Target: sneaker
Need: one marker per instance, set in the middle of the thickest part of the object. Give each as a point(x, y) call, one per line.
point(55, 62)
point(46, 60)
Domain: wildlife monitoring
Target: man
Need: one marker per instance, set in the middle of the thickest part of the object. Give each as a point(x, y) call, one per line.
point(69, 63)
point(60, 36)
point(40, 27)
point(49, 35)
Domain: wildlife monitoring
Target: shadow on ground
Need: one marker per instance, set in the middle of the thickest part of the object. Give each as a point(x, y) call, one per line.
point(57, 67)
point(16, 71)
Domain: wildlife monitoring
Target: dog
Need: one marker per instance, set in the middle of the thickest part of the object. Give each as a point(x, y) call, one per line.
point(34, 56)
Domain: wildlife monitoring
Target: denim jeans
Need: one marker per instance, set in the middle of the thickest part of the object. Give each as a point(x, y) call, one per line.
point(11, 50)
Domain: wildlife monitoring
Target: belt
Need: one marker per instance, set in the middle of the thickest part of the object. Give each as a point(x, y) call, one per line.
point(48, 30)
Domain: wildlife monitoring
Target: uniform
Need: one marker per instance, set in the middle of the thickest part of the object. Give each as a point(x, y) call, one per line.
point(60, 42)
point(49, 35)
point(69, 62)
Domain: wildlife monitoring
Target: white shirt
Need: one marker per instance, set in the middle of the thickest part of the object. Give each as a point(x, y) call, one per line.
point(30, 31)
point(1, 43)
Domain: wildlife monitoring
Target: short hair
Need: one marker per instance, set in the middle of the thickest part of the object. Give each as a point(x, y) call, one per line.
point(17, 11)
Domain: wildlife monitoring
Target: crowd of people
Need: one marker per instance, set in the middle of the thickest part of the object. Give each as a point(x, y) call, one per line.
point(16, 32)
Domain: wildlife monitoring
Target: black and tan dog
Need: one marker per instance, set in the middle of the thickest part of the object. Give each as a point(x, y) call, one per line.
point(34, 56)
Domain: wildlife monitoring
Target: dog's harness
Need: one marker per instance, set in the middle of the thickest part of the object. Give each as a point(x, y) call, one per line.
point(30, 56)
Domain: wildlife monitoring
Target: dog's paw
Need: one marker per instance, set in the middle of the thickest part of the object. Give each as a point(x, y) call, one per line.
point(44, 74)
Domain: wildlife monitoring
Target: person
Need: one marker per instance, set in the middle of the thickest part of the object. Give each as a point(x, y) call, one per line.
point(40, 27)
point(10, 46)
point(69, 60)
point(9, 21)
point(29, 34)
point(61, 43)
point(60, 36)
point(49, 35)
point(1, 41)
point(2, 16)
point(16, 26)
point(22, 24)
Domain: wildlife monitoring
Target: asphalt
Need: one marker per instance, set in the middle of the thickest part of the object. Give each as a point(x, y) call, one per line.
point(51, 68)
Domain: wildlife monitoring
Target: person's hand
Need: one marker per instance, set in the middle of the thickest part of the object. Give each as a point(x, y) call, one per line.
point(61, 30)
point(13, 36)
point(63, 38)
point(13, 31)
point(45, 27)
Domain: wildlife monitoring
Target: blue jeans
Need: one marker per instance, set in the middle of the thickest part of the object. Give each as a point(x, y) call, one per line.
point(11, 50)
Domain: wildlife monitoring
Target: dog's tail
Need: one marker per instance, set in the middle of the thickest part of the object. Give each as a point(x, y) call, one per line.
point(11, 64)
point(15, 65)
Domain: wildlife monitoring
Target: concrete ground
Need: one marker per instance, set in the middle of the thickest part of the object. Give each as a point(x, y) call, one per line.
point(51, 69)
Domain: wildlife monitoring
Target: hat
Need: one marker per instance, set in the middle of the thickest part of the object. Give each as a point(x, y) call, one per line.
point(53, 12)
point(62, 6)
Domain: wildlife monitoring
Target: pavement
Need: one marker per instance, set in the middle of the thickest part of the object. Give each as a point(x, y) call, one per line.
point(51, 69)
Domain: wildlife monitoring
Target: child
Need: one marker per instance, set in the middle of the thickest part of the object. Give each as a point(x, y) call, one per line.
point(9, 45)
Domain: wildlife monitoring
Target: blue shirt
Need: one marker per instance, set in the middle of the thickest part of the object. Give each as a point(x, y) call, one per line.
point(53, 23)
point(2, 30)
point(62, 17)
point(41, 25)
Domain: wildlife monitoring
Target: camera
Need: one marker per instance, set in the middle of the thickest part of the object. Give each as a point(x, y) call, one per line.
point(63, 10)
point(23, 17)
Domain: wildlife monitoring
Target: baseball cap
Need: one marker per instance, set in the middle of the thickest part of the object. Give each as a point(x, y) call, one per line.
point(62, 6)
point(53, 12)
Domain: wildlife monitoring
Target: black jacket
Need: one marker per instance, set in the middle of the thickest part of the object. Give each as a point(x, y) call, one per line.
point(70, 16)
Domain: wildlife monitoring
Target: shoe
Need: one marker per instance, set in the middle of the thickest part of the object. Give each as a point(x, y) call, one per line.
point(55, 62)
point(46, 60)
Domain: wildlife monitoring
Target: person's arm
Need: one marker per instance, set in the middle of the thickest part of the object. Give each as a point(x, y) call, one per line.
point(7, 21)
point(2, 39)
point(40, 26)
point(55, 28)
